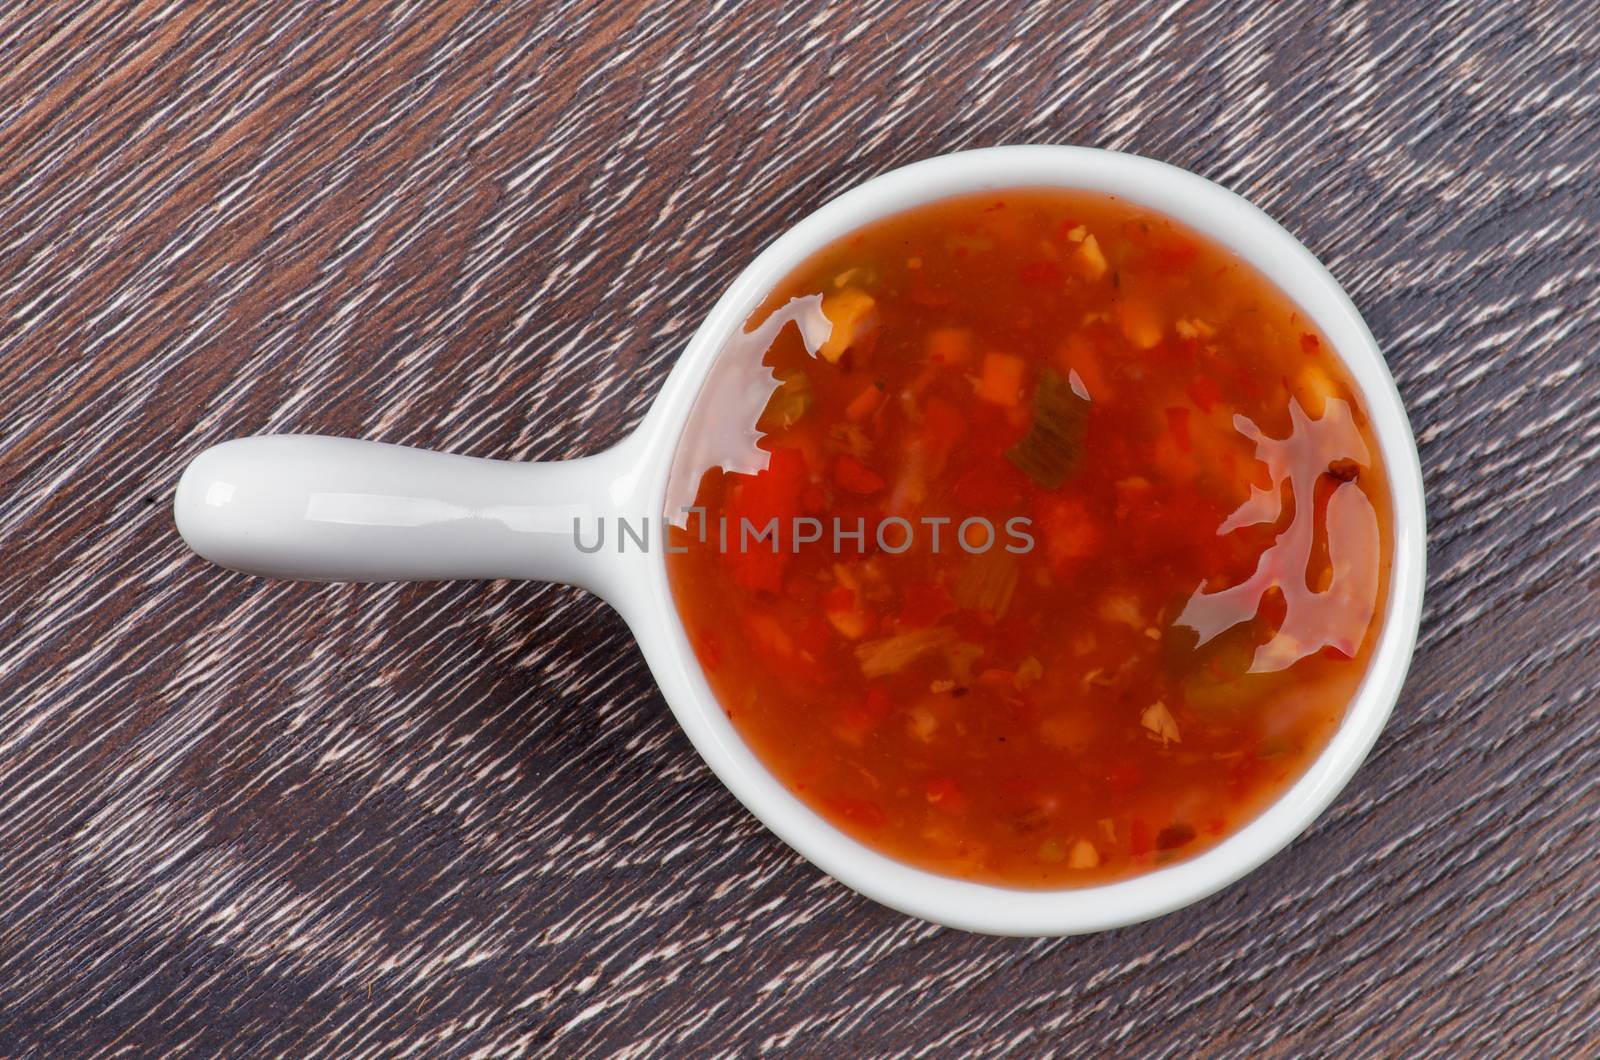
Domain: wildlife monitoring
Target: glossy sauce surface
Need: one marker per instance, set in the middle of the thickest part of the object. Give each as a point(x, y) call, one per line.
point(1175, 556)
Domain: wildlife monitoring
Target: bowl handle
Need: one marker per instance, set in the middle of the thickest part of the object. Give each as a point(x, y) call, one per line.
point(338, 509)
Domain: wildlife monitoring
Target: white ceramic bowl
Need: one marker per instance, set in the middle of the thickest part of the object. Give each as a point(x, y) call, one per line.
point(343, 510)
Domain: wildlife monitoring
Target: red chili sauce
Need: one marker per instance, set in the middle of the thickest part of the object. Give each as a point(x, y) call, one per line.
point(1124, 538)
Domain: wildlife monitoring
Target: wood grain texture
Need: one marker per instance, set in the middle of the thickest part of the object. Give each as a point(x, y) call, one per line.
point(239, 816)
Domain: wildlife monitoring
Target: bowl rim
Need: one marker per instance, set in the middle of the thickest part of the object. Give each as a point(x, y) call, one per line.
point(648, 606)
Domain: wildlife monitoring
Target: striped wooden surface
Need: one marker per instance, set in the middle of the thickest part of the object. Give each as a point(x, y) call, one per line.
point(238, 816)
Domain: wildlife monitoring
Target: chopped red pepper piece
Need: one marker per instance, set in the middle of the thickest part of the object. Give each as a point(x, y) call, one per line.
point(855, 477)
point(773, 494)
point(1140, 840)
point(1069, 531)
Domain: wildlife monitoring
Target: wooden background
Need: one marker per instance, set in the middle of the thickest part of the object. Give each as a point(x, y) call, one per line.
point(239, 816)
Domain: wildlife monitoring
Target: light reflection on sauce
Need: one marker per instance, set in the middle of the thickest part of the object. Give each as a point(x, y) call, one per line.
point(723, 423)
point(1337, 617)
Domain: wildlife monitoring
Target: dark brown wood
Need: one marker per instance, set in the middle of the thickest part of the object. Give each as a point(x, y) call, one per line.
point(242, 816)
